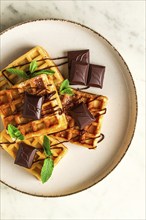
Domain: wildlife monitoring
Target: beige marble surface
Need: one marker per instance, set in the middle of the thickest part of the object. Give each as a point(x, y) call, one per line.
point(122, 194)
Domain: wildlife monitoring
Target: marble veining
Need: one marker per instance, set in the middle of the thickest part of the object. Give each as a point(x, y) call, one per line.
point(12, 9)
point(121, 194)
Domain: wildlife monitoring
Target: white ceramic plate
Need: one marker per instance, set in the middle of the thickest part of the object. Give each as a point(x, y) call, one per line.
point(80, 168)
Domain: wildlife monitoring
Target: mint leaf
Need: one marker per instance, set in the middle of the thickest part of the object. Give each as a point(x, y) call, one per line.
point(21, 137)
point(18, 72)
point(65, 88)
point(48, 165)
point(33, 66)
point(67, 91)
point(14, 132)
point(47, 169)
point(47, 72)
point(46, 146)
point(64, 84)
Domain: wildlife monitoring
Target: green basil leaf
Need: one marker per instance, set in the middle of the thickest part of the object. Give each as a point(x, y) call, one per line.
point(64, 85)
point(14, 132)
point(47, 169)
point(33, 66)
point(46, 146)
point(18, 72)
point(67, 91)
point(47, 72)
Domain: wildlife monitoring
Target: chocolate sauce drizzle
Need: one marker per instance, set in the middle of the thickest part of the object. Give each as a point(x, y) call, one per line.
point(100, 136)
point(47, 58)
point(48, 97)
point(66, 108)
point(7, 78)
point(42, 150)
point(80, 89)
point(82, 132)
point(8, 142)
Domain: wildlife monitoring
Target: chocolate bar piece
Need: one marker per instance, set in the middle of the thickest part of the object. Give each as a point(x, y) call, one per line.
point(25, 155)
point(96, 75)
point(82, 115)
point(32, 106)
point(78, 73)
point(78, 55)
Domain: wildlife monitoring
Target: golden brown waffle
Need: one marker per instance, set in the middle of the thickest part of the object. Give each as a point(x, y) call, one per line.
point(11, 104)
point(37, 53)
point(58, 150)
point(97, 106)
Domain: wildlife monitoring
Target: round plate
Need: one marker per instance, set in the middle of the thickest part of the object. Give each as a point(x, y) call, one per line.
point(80, 168)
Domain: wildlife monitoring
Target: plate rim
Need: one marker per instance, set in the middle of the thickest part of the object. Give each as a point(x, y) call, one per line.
point(135, 96)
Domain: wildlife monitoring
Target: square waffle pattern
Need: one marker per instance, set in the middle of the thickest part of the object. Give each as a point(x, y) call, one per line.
point(37, 53)
point(11, 105)
point(91, 135)
point(58, 151)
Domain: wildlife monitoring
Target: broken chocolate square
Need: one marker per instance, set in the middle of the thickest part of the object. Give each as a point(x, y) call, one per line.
point(25, 155)
point(78, 55)
point(96, 75)
point(32, 106)
point(82, 115)
point(78, 73)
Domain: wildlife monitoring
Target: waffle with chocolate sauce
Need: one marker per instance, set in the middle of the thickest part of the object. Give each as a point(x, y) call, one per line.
point(91, 135)
point(12, 104)
point(58, 151)
point(37, 53)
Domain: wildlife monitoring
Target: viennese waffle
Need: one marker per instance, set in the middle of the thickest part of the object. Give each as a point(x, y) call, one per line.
point(58, 151)
point(92, 133)
point(56, 126)
point(11, 104)
point(37, 53)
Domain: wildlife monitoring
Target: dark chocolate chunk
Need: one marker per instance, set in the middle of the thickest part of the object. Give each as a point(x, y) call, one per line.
point(82, 115)
point(32, 106)
point(79, 55)
point(96, 75)
point(78, 73)
point(25, 155)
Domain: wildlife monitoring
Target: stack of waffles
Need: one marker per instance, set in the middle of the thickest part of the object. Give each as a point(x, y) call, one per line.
point(59, 126)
